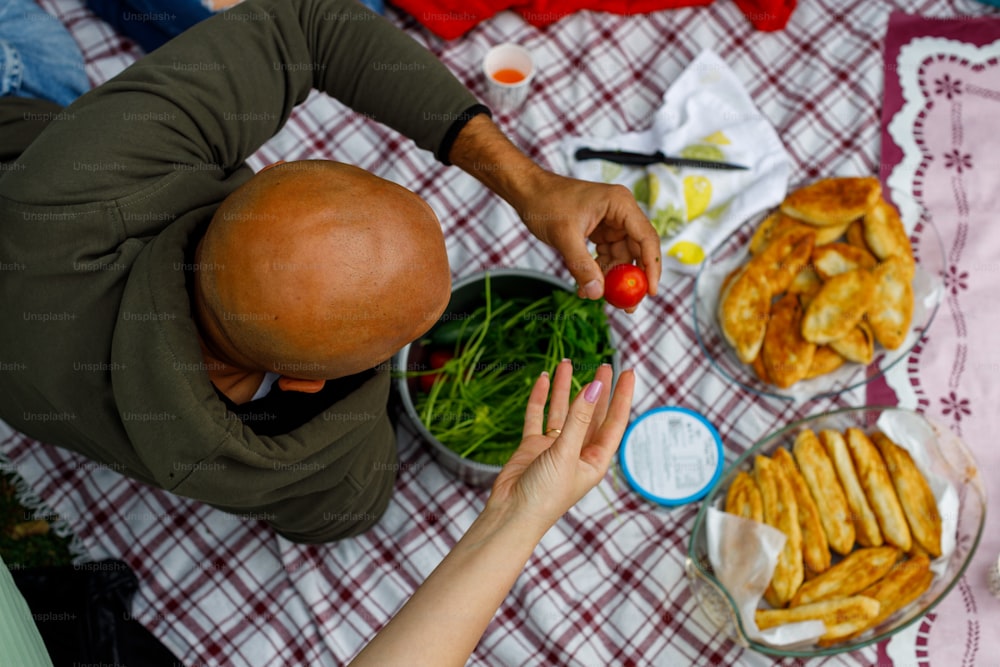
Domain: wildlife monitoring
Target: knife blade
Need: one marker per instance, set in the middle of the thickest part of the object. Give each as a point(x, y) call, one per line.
point(645, 159)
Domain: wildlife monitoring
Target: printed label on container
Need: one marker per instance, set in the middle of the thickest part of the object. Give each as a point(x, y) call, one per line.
point(671, 455)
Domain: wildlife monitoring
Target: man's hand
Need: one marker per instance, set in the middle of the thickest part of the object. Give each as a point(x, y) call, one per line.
point(563, 212)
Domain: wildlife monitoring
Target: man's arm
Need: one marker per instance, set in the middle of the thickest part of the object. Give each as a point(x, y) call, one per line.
point(562, 212)
point(198, 107)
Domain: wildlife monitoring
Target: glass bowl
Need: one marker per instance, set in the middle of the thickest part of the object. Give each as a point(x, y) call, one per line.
point(947, 457)
point(928, 286)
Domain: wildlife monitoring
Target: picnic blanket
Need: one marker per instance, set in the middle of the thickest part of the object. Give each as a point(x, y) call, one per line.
point(606, 586)
point(940, 146)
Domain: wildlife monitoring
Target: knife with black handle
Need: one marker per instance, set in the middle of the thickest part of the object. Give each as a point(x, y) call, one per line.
point(646, 159)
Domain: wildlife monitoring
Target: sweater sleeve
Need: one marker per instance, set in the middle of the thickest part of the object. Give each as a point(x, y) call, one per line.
point(211, 97)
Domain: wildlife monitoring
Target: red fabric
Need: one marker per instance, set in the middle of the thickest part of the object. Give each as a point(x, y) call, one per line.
point(767, 15)
point(453, 18)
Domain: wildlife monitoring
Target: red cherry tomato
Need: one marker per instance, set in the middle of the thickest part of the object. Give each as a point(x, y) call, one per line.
point(437, 359)
point(625, 286)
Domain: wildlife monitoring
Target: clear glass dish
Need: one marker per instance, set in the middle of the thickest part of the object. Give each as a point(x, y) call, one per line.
point(928, 282)
point(949, 457)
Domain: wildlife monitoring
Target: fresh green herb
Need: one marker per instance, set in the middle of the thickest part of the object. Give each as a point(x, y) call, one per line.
point(476, 405)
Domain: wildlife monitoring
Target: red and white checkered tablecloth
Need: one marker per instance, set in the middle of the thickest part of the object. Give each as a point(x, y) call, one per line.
point(606, 586)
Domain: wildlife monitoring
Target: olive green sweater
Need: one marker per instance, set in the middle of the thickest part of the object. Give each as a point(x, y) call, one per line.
point(98, 349)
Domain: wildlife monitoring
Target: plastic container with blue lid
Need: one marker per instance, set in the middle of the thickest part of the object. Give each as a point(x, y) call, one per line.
point(671, 456)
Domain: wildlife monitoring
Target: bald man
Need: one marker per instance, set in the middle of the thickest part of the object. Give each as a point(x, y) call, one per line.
point(222, 334)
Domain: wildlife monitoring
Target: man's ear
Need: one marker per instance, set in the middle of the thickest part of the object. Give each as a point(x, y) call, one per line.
point(298, 384)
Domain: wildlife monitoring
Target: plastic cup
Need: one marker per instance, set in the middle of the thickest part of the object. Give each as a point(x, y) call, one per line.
point(509, 69)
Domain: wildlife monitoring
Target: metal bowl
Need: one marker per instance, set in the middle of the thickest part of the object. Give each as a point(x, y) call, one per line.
point(466, 296)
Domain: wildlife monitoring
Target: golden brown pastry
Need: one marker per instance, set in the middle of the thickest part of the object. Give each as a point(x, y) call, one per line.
point(881, 494)
point(866, 528)
point(859, 570)
point(914, 495)
point(825, 360)
point(784, 257)
point(743, 498)
point(744, 309)
point(815, 549)
point(833, 201)
point(905, 582)
point(781, 512)
point(786, 354)
point(835, 258)
point(842, 617)
point(821, 478)
point(885, 234)
point(858, 345)
point(837, 307)
point(891, 308)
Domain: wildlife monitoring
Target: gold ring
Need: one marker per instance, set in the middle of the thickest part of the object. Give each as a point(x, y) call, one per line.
point(557, 431)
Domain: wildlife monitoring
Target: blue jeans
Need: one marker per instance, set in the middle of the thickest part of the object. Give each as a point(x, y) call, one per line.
point(38, 57)
point(150, 23)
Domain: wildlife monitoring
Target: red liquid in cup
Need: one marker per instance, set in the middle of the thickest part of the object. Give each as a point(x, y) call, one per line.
point(508, 75)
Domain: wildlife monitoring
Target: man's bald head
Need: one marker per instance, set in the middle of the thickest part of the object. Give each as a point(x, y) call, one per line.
point(318, 270)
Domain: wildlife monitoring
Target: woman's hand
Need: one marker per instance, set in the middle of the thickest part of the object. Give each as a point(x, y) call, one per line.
point(561, 459)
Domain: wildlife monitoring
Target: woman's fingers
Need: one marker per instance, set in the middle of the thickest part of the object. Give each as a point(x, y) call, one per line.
point(534, 414)
point(601, 448)
point(562, 385)
point(606, 376)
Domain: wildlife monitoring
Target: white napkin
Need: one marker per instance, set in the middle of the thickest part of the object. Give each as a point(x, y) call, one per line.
point(706, 114)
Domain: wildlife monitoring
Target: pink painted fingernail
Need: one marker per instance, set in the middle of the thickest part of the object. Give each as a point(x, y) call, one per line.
point(593, 391)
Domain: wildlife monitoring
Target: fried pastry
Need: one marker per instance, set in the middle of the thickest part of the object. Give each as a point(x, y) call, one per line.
point(743, 313)
point(829, 233)
point(859, 569)
point(770, 227)
point(837, 307)
point(891, 308)
point(786, 354)
point(842, 617)
point(743, 498)
point(815, 549)
point(881, 494)
point(905, 582)
point(835, 258)
point(781, 512)
point(885, 234)
point(784, 257)
point(777, 223)
point(855, 235)
point(866, 527)
point(759, 370)
point(858, 345)
point(833, 201)
point(806, 281)
point(825, 360)
point(914, 493)
point(821, 478)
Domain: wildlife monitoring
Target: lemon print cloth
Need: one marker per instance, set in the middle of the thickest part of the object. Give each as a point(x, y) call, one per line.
point(707, 115)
